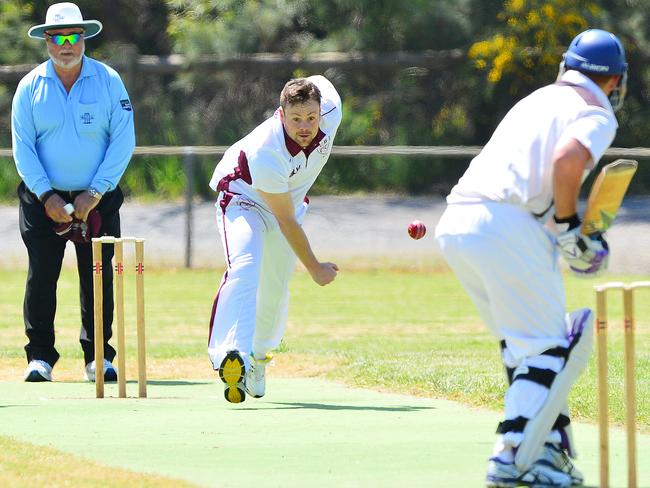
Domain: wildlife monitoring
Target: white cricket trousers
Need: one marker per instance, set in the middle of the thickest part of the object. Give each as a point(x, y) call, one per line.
point(508, 263)
point(251, 307)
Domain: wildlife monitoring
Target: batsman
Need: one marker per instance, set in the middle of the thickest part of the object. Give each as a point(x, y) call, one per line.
point(494, 237)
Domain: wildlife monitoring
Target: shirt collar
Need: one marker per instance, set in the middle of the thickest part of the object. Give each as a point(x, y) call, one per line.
point(577, 78)
point(294, 148)
point(43, 69)
point(87, 68)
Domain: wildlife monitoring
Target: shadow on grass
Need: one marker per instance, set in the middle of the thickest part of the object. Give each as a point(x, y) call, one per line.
point(174, 382)
point(323, 406)
point(22, 405)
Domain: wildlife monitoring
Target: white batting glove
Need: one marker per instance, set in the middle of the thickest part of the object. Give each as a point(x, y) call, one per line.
point(586, 255)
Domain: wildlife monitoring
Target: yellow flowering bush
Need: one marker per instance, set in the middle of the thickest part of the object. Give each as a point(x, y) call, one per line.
point(533, 36)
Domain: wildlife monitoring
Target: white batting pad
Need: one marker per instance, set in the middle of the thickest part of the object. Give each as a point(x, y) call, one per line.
point(538, 428)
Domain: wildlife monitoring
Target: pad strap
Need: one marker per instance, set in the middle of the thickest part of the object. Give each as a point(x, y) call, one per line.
point(518, 424)
point(558, 352)
point(514, 425)
point(540, 376)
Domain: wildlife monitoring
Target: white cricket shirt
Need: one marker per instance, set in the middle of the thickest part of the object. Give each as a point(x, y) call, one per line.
point(516, 165)
point(268, 160)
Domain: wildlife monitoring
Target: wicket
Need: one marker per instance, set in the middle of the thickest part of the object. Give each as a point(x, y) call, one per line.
point(118, 243)
point(630, 389)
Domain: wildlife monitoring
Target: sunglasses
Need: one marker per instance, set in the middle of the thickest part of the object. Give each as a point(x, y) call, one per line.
point(59, 39)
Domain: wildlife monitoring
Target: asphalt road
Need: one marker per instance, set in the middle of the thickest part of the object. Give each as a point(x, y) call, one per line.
point(363, 230)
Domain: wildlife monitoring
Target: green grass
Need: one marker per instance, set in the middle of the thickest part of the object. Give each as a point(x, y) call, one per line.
point(19, 467)
point(392, 330)
point(419, 332)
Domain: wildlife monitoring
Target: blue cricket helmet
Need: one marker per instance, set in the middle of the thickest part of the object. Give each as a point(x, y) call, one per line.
point(598, 52)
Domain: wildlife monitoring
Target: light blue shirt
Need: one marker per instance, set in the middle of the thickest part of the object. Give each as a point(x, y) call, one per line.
point(72, 141)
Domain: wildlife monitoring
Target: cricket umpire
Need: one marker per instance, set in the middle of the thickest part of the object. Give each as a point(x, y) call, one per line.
point(73, 136)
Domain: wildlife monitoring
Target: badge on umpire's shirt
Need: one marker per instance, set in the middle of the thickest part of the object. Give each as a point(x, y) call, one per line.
point(87, 118)
point(126, 105)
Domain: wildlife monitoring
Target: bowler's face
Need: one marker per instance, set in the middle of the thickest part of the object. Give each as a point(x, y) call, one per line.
point(301, 121)
point(67, 55)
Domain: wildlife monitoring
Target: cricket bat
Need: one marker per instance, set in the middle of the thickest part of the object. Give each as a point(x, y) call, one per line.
point(607, 194)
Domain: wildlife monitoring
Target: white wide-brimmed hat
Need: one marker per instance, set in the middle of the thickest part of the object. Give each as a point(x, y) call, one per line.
point(62, 15)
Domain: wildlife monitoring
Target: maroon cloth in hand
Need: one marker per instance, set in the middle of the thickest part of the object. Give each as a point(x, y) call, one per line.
point(79, 231)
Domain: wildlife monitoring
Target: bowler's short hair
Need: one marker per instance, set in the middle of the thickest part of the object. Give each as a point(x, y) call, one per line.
point(299, 91)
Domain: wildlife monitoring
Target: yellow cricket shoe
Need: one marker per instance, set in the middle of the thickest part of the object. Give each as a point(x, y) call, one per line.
point(232, 372)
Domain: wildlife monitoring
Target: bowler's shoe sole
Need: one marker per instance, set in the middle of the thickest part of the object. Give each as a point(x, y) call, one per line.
point(232, 372)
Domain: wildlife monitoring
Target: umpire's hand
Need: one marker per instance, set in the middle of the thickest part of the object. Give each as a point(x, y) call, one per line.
point(54, 209)
point(83, 204)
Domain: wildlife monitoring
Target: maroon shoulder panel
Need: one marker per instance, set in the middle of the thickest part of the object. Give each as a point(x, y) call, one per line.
point(241, 172)
point(589, 97)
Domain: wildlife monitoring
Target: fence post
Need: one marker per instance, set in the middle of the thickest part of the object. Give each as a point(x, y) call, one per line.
point(130, 57)
point(188, 166)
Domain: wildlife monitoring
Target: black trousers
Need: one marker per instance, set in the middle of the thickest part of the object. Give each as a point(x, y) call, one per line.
point(46, 249)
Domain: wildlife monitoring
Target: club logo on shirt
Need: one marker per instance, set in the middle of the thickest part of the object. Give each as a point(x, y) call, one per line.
point(245, 204)
point(126, 105)
point(295, 170)
point(87, 118)
point(324, 145)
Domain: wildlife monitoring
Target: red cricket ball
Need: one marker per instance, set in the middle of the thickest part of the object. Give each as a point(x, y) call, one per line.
point(417, 229)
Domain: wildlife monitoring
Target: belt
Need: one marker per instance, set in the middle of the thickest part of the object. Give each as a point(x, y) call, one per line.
point(71, 194)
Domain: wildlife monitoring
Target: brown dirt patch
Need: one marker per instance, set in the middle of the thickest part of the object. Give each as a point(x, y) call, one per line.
point(284, 365)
